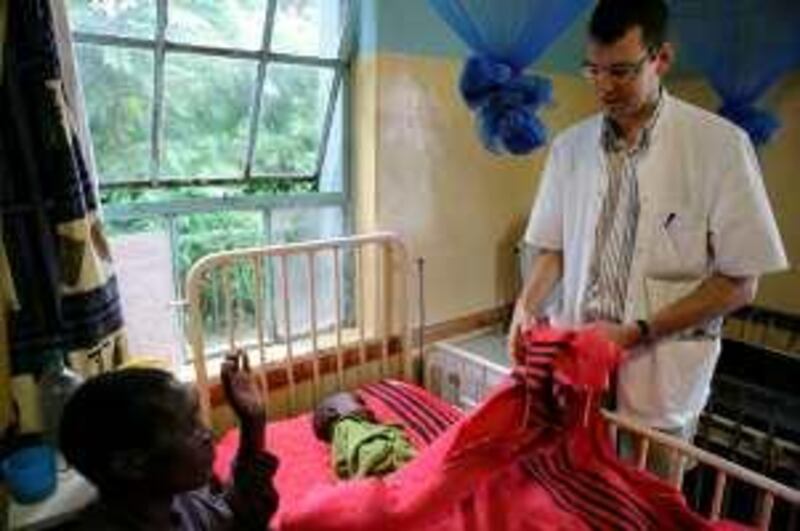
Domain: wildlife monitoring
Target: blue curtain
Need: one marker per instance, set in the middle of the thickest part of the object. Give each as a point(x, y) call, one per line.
point(507, 36)
point(743, 47)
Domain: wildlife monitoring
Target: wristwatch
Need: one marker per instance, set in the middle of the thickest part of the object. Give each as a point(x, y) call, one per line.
point(644, 330)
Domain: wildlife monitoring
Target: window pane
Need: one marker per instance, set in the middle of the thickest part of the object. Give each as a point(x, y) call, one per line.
point(128, 18)
point(202, 234)
point(308, 27)
point(117, 83)
point(332, 176)
point(143, 265)
point(299, 224)
point(225, 23)
point(206, 115)
point(293, 111)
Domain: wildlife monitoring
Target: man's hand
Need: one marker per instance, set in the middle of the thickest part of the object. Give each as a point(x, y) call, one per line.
point(544, 275)
point(241, 391)
point(519, 321)
point(625, 335)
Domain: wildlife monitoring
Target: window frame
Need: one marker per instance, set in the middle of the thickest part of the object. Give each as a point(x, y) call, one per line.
point(160, 45)
point(265, 203)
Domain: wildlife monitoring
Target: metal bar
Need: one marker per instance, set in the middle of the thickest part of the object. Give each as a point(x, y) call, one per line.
point(102, 39)
point(258, 272)
point(348, 33)
point(462, 379)
point(187, 181)
point(387, 299)
point(719, 494)
point(177, 289)
point(266, 226)
point(641, 452)
point(210, 261)
point(312, 306)
point(337, 298)
point(159, 57)
point(193, 285)
point(270, 57)
point(765, 513)
point(327, 122)
point(216, 304)
point(287, 321)
point(230, 320)
point(731, 469)
point(677, 467)
point(344, 48)
point(347, 148)
point(258, 90)
point(400, 271)
point(421, 302)
point(203, 268)
point(273, 315)
point(180, 207)
point(198, 49)
point(360, 313)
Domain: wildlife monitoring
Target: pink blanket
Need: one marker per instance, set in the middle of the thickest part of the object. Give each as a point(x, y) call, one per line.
point(534, 455)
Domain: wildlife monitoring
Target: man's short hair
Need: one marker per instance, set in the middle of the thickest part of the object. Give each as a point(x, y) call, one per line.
point(113, 413)
point(612, 19)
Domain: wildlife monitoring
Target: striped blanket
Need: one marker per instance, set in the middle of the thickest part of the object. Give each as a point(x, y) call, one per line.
point(533, 456)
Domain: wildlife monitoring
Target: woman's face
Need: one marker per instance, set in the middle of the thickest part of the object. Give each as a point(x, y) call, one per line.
point(184, 451)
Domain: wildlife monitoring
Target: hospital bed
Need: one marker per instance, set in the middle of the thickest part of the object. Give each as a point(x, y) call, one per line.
point(330, 315)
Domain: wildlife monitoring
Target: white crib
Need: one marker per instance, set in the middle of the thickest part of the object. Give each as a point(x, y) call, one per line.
point(355, 293)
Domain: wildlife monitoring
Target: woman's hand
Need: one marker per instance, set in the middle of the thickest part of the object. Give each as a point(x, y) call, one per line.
point(241, 391)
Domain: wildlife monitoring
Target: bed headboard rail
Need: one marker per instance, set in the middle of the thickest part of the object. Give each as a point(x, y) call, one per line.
point(307, 311)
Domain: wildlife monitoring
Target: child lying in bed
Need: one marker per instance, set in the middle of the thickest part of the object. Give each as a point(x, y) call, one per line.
point(360, 446)
point(135, 434)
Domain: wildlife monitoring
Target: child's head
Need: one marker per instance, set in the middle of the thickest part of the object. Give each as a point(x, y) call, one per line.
point(335, 407)
point(137, 429)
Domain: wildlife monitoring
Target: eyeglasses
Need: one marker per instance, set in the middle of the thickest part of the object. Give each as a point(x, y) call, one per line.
point(617, 72)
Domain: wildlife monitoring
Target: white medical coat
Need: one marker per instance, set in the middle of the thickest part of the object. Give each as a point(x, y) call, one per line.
point(703, 209)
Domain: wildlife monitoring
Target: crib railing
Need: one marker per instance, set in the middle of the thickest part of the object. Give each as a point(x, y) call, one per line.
point(683, 453)
point(464, 378)
point(367, 279)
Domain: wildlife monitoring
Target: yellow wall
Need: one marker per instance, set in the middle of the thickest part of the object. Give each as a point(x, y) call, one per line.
point(421, 171)
point(780, 160)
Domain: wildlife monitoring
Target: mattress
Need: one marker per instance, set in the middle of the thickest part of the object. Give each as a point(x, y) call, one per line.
point(305, 461)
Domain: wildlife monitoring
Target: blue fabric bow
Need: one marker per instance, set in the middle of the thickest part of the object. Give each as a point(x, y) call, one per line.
point(505, 101)
point(506, 37)
point(759, 124)
point(744, 48)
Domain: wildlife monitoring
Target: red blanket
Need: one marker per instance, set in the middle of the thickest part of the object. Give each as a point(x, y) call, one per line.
point(305, 461)
point(534, 455)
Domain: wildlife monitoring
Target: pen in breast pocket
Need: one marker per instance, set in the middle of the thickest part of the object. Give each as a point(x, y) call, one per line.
point(670, 218)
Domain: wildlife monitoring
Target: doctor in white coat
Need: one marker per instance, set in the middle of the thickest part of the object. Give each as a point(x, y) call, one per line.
point(652, 215)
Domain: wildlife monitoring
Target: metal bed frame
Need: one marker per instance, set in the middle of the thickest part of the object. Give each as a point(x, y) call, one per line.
point(378, 323)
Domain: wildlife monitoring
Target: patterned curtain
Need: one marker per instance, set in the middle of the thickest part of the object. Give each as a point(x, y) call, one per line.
point(56, 271)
